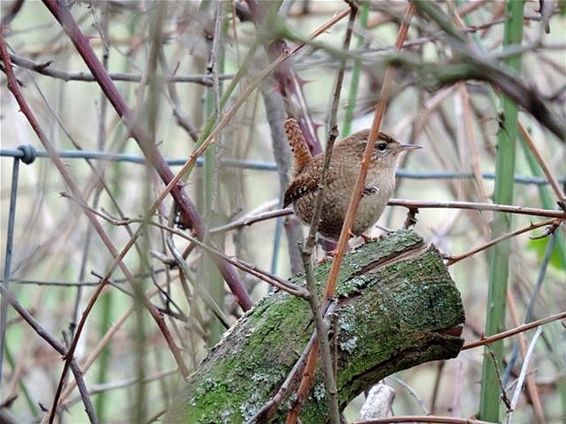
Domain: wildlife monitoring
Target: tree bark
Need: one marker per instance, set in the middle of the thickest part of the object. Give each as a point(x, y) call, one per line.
point(397, 307)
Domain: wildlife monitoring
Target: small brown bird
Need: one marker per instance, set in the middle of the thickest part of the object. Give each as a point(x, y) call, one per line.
point(341, 180)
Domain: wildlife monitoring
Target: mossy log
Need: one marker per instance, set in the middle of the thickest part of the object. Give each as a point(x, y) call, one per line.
point(397, 307)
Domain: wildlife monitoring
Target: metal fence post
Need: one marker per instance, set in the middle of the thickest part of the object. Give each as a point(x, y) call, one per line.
point(28, 157)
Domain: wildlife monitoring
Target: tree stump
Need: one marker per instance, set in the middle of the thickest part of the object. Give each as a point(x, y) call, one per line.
point(397, 307)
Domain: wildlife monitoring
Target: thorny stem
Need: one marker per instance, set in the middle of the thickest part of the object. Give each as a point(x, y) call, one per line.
point(499, 264)
point(190, 216)
point(289, 82)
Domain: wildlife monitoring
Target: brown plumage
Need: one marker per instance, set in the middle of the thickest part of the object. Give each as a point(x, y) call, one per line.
point(341, 180)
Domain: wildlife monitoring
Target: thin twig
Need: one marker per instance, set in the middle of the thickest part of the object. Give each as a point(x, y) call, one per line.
point(532, 391)
point(561, 198)
point(274, 280)
point(457, 258)
point(47, 70)
point(307, 253)
point(54, 343)
point(180, 116)
point(502, 391)
point(113, 385)
point(521, 210)
point(206, 297)
point(249, 220)
point(522, 328)
point(409, 204)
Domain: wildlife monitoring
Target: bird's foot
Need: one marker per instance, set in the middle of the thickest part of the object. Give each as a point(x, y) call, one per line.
point(367, 239)
point(331, 254)
point(328, 256)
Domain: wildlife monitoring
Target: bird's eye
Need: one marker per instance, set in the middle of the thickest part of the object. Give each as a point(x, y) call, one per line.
point(382, 146)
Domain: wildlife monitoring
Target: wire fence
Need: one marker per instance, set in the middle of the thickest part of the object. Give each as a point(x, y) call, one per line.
point(28, 153)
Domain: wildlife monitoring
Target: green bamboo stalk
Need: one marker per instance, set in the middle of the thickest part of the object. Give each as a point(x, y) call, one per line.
point(356, 71)
point(499, 255)
point(102, 400)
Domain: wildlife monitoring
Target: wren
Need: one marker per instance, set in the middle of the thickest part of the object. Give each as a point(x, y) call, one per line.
point(341, 180)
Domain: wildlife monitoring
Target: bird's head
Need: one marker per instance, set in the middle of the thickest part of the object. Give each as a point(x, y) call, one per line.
point(386, 149)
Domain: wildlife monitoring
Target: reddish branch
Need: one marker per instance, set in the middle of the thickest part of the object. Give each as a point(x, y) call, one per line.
point(308, 375)
point(289, 83)
point(189, 215)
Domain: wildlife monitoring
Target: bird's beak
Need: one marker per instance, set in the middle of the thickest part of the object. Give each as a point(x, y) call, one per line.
point(409, 147)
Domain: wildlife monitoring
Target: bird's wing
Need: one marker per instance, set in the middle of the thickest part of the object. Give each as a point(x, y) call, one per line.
point(304, 184)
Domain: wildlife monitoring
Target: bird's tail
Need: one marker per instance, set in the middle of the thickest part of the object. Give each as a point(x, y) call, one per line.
point(301, 154)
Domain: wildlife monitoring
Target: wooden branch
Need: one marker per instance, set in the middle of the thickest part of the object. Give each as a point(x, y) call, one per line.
point(397, 308)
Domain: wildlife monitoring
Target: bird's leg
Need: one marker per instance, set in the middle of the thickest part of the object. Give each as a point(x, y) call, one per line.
point(330, 254)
